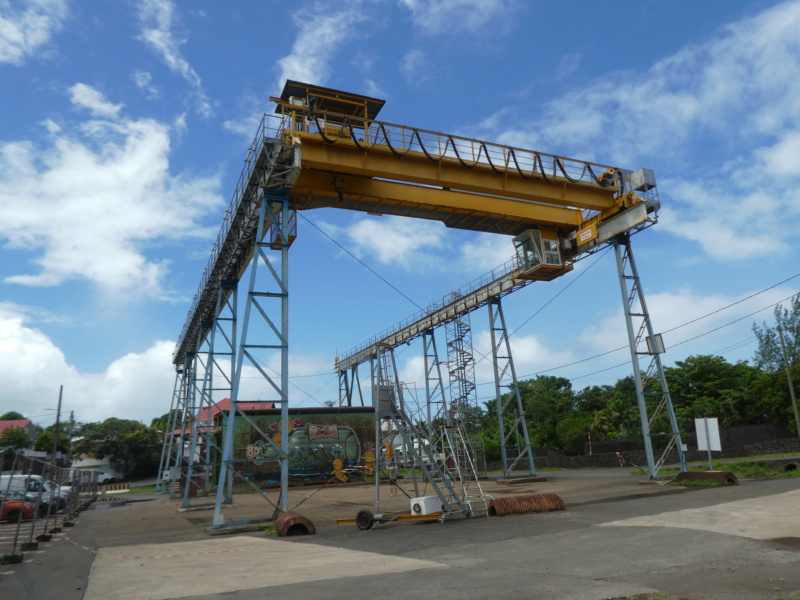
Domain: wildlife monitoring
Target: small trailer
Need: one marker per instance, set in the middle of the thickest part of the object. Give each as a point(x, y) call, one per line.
point(425, 508)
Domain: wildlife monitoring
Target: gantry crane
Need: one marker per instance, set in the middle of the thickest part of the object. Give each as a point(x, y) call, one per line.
point(324, 148)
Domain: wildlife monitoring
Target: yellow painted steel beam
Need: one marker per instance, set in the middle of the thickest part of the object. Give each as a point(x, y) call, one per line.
point(344, 156)
point(316, 189)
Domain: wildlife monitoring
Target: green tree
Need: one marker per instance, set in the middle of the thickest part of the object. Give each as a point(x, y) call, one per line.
point(12, 416)
point(131, 446)
point(167, 420)
point(706, 385)
point(44, 443)
point(769, 355)
point(572, 432)
point(547, 401)
point(16, 438)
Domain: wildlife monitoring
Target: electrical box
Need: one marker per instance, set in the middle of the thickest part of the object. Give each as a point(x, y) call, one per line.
point(643, 180)
point(426, 505)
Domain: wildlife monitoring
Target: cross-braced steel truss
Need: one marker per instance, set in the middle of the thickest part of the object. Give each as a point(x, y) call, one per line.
point(652, 392)
point(267, 297)
point(510, 411)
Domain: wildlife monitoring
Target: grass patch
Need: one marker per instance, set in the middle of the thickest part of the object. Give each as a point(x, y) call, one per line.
point(696, 483)
point(142, 489)
point(742, 469)
point(756, 469)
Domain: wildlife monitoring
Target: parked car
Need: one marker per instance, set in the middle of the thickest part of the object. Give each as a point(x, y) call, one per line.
point(34, 487)
point(13, 504)
point(102, 476)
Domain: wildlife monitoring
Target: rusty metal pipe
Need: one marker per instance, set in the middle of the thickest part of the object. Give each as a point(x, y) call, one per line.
point(518, 505)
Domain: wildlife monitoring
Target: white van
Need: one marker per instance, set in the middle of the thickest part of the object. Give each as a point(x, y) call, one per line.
point(22, 483)
point(32, 486)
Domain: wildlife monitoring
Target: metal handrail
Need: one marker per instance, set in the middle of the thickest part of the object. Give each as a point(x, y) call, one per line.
point(269, 125)
point(508, 267)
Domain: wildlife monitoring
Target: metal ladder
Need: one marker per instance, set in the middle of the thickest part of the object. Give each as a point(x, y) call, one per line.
point(460, 466)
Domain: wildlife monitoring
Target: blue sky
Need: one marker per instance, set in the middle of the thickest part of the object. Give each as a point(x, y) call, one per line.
point(125, 123)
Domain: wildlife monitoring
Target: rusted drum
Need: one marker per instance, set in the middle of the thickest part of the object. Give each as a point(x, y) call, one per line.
point(292, 523)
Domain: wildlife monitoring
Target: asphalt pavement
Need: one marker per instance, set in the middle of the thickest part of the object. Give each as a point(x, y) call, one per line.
point(618, 537)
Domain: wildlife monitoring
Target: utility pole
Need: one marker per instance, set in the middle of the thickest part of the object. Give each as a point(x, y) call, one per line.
point(791, 384)
point(58, 417)
point(69, 433)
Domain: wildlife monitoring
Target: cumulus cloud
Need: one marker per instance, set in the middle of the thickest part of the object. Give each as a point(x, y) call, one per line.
point(32, 368)
point(486, 251)
point(674, 312)
point(157, 17)
point(322, 29)
point(87, 97)
point(407, 243)
point(107, 191)
point(137, 386)
point(25, 27)
point(735, 97)
point(435, 16)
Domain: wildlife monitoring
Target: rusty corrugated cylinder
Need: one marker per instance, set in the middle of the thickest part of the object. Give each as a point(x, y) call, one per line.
point(518, 505)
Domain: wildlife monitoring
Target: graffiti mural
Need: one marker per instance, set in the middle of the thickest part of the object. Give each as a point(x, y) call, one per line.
point(323, 445)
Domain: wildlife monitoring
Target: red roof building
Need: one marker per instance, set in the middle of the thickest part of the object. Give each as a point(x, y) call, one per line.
point(25, 424)
point(224, 405)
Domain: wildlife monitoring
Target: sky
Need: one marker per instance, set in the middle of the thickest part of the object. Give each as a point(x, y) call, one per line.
point(124, 126)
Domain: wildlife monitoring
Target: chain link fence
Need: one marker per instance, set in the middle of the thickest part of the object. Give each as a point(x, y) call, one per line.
point(38, 499)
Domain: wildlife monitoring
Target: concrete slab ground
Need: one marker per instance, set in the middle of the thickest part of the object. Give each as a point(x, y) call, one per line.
point(617, 538)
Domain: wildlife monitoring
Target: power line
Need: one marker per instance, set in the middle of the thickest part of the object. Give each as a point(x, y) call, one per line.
point(737, 302)
point(564, 289)
point(732, 304)
point(361, 262)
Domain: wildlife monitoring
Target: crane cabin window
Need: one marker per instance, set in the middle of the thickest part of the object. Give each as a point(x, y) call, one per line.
point(526, 251)
point(535, 248)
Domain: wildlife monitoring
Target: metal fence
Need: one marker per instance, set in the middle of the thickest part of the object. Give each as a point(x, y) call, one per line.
point(37, 500)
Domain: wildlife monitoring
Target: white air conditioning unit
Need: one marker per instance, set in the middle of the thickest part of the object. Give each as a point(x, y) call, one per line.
point(425, 505)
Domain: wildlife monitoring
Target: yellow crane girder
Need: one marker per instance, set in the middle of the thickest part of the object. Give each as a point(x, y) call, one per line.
point(414, 167)
point(459, 209)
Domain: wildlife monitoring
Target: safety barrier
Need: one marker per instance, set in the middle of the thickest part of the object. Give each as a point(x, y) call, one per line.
point(37, 500)
point(115, 488)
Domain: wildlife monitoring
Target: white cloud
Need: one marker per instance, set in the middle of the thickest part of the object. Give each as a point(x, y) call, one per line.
point(437, 16)
point(27, 26)
point(486, 252)
point(106, 191)
point(322, 28)
point(530, 354)
point(136, 386)
point(157, 33)
point(731, 104)
point(144, 81)
point(781, 159)
point(87, 97)
point(408, 243)
point(253, 109)
point(375, 90)
point(671, 310)
point(415, 67)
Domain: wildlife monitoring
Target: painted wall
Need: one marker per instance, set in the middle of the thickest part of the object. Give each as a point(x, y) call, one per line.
point(324, 444)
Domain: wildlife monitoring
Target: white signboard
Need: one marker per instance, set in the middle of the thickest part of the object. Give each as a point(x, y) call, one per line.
point(707, 431)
